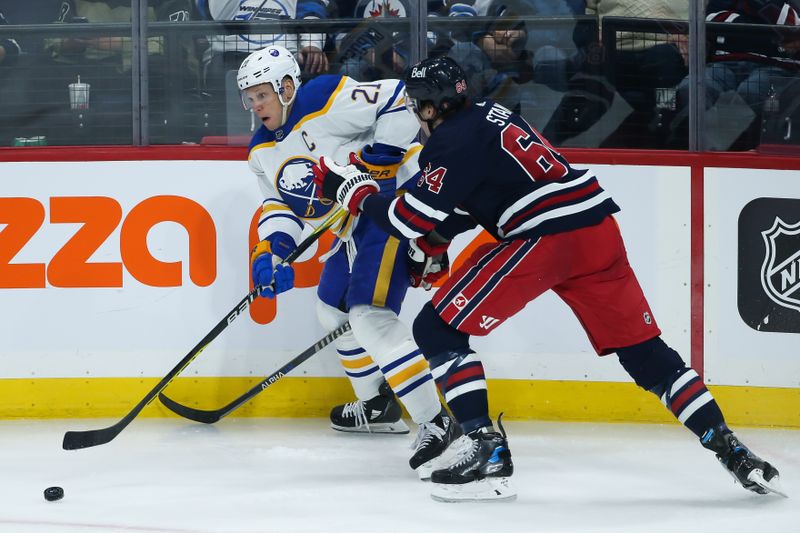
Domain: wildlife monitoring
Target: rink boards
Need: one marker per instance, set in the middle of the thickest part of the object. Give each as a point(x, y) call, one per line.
point(116, 263)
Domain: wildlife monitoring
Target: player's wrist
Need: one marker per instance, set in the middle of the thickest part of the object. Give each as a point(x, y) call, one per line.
point(281, 244)
point(359, 196)
point(429, 248)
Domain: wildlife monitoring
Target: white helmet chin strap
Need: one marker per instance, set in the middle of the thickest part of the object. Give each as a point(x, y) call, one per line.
point(286, 106)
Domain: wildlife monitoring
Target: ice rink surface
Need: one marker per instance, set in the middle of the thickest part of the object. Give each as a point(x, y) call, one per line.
point(271, 475)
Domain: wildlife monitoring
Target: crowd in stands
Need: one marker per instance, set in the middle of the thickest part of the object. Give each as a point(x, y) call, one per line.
point(551, 60)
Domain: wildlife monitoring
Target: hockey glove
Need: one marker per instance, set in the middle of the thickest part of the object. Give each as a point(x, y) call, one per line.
point(345, 185)
point(267, 267)
point(427, 263)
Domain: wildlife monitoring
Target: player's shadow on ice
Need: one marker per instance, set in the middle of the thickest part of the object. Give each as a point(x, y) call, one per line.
point(722, 502)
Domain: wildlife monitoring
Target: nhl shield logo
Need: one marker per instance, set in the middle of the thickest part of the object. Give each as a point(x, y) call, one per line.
point(780, 272)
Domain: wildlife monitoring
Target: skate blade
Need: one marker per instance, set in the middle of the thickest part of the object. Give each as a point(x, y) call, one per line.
point(447, 458)
point(494, 489)
point(773, 485)
point(399, 428)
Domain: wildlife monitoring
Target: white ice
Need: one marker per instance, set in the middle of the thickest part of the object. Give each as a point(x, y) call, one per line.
point(278, 475)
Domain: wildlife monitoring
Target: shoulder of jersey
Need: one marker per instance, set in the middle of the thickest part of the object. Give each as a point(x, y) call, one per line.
point(313, 96)
point(261, 136)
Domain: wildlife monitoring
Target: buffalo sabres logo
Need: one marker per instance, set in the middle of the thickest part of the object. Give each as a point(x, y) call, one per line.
point(780, 272)
point(295, 183)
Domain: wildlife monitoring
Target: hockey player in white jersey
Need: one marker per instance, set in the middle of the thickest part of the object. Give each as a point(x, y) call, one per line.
point(365, 277)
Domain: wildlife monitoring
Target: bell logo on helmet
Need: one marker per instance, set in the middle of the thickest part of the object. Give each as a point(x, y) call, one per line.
point(418, 72)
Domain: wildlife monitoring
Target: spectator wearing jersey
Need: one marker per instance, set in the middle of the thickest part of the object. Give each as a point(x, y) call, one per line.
point(369, 52)
point(227, 51)
point(750, 64)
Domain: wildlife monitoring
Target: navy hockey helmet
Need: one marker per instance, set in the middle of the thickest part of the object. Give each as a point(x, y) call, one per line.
point(440, 81)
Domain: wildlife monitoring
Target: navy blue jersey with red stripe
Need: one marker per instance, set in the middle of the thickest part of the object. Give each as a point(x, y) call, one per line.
point(490, 163)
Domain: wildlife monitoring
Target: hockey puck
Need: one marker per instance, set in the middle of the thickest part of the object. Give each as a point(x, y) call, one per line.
point(53, 494)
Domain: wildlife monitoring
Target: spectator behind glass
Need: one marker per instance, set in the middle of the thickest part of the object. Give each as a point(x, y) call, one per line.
point(752, 65)
point(18, 12)
point(21, 73)
point(231, 50)
point(369, 52)
point(645, 62)
point(543, 54)
point(10, 86)
point(514, 52)
point(104, 62)
point(9, 49)
point(222, 59)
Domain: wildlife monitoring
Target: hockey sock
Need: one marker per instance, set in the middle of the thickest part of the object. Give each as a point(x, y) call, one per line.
point(359, 367)
point(659, 369)
point(401, 361)
point(460, 377)
point(690, 401)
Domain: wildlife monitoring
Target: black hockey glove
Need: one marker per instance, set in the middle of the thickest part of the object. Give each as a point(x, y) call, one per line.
point(427, 263)
point(345, 185)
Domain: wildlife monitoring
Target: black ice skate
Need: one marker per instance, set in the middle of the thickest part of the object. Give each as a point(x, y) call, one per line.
point(751, 471)
point(380, 414)
point(481, 473)
point(437, 444)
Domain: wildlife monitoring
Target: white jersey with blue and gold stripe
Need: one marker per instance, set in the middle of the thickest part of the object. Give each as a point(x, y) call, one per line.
point(331, 116)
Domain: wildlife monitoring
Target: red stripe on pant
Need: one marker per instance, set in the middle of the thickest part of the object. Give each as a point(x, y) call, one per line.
point(479, 279)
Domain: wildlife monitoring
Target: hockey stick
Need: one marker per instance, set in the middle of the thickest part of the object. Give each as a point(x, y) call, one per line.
point(214, 415)
point(74, 440)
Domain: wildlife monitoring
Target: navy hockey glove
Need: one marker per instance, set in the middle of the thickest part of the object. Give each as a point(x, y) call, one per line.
point(347, 186)
point(427, 263)
point(267, 267)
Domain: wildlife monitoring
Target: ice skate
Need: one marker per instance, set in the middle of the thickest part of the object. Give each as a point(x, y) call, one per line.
point(744, 466)
point(481, 474)
point(437, 444)
point(381, 414)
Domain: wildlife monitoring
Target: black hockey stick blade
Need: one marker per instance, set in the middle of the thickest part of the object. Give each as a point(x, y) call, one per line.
point(214, 415)
point(74, 440)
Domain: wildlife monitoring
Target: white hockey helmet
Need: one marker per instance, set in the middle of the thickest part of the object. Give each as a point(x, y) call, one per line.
point(268, 65)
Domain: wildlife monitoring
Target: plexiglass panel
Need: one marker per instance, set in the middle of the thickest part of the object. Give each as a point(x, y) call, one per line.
point(596, 73)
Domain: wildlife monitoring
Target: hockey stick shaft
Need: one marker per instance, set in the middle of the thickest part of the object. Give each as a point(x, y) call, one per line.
point(214, 415)
point(314, 236)
point(74, 440)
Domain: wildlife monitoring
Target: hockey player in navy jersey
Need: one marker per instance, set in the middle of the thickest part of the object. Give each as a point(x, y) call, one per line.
point(365, 276)
point(555, 231)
